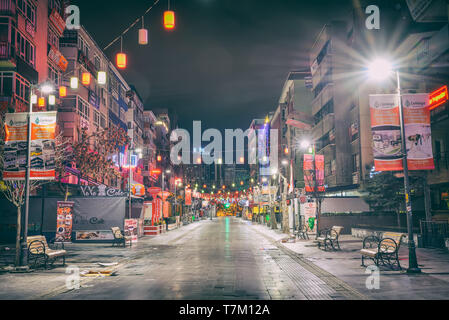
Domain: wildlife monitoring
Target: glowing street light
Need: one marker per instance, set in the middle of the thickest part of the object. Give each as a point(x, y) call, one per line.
point(381, 69)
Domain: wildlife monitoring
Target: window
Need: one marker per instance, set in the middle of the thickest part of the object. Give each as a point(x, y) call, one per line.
point(355, 163)
point(22, 88)
point(82, 45)
point(55, 4)
point(25, 49)
point(53, 38)
point(97, 62)
point(83, 109)
point(27, 9)
point(103, 121)
point(96, 118)
point(53, 74)
point(6, 79)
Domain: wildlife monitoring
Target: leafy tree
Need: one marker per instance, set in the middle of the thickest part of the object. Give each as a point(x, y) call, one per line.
point(385, 192)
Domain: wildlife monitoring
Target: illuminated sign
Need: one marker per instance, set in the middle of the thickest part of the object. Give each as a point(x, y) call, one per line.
point(438, 97)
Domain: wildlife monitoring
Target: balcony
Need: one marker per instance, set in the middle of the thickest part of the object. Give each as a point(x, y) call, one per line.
point(324, 126)
point(8, 8)
point(325, 95)
point(7, 55)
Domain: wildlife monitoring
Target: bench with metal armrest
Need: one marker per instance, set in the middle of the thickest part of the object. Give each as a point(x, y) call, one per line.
point(302, 232)
point(38, 249)
point(329, 238)
point(383, 250)
point(120, 238)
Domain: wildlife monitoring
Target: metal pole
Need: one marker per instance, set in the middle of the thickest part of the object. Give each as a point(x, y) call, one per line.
point(413, 262)
point(163, 189)
point(315, 182)
point(129, 182)
point(23, 244)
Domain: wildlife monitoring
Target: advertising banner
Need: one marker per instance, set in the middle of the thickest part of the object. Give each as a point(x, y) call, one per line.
point(131, 228)
point(94, 235)
point(418, 132)
point(64, 221)
point(308, 210)
point(43, 131)
point(385, 121)
point(309, 167)
point(188, 200)
point(15, 150)
point(385, 126)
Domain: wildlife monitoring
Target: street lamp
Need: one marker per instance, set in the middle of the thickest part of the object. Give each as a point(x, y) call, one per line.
point(381, 69)
point(45, 89)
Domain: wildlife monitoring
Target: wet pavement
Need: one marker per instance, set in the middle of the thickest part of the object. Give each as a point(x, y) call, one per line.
point(217, 260)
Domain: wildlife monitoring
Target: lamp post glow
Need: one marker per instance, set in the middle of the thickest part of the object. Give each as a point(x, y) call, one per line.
point(381, 69)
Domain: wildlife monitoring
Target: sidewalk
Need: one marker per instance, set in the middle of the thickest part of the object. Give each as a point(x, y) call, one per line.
point(433, 283)
point(41, 283)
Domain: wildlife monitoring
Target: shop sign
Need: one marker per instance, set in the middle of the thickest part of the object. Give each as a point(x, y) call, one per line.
point(57, 21)
point(101, 191)
point(57, 57)
point(438, 97)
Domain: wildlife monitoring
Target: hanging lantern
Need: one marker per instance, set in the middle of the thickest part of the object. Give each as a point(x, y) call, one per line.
point(74, 83)
point(169, 19)
point(85, 79)
point(121, 60)
point(41, 103)
point(62, 92)
point(101, 77)
point(33, 99)
point(143, 37)
point(51, 100)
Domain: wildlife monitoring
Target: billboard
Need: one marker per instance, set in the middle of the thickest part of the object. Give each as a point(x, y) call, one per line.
point(386, 130)
point(15, 150)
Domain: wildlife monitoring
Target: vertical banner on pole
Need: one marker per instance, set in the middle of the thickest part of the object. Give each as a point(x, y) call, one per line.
point(188, 200)
point(43, 147)
point(309, 179)
point(15, 150)
point(418, 132)
point(64, 223)
point(386, 129)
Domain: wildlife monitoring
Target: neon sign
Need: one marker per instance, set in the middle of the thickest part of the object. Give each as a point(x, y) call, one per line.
point(438, 97)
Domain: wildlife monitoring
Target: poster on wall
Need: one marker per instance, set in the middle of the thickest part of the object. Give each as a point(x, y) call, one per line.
point(64, 221)
point(418, 133)
point(94, 235)
point(386, 130)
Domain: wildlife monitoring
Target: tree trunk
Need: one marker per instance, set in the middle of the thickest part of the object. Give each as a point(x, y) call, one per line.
point(318, 216)
point(18, 233)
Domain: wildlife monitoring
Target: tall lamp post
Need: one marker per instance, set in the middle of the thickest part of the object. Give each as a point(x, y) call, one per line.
point(45, 89)
point(381, 69)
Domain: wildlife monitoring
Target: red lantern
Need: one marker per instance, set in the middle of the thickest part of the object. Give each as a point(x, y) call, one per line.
point(121, 60)
point(85, 79)
point(169, 19)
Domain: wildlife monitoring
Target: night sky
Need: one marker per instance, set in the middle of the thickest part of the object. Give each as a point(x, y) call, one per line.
point(227, 60)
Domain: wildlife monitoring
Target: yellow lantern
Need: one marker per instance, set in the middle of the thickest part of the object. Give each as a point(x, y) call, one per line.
point(121, 60)
point(169, 19)
point(62, 92)
point(41, 102)
point(85, 78)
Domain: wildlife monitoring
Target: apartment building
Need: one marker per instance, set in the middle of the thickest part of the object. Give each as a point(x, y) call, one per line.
point(29, 34)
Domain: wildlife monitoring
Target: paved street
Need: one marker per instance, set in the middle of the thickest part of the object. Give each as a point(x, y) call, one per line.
point(229, 259)
point(220, 259)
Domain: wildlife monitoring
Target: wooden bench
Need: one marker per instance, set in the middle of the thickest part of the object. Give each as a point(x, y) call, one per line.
point(302, 232)
point(329, 238)
point(120, 238)
point(38, 249)
point(383, 250)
